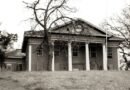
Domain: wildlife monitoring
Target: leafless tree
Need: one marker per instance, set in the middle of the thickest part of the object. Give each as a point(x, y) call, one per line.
point(120, 25)
point(48, 14)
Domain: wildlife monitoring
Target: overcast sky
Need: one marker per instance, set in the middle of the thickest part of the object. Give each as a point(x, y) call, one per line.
point(13, 13)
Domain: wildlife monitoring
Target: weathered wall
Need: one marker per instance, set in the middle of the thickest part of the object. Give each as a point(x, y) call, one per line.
point(39, 63)
point(96, 63)
point(61, 56)
point(27, 58)
point(76, 38)
point(61, 61)
point(113, 62)
point(79, 61)
point(12, 64)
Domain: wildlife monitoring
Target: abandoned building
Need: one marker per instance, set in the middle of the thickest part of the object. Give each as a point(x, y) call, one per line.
point(83, 47)
point(14, 60)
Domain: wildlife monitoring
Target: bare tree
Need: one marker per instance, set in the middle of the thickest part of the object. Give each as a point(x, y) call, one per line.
point(48, 14)
point(120, 25)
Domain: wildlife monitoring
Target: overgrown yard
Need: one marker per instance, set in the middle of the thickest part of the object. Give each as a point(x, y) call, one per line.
point(78, 80)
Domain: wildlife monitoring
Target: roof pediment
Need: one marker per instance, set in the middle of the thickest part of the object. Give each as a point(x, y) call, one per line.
point(79, 27)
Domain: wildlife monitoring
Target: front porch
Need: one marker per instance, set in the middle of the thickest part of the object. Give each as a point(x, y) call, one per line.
point(73, 56)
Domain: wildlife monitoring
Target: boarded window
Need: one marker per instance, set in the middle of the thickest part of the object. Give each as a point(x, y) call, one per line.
point(93, 52)
point(39, 52)
point(75, 51)
point(57, 51)
point(109, 53)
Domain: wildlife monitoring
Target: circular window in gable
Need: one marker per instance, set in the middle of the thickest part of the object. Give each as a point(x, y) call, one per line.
point(79, 28)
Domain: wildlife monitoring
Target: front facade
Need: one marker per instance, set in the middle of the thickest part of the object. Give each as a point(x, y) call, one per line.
point(84, 47)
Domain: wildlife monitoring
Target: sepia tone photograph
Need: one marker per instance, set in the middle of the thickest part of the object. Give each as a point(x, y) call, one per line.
point(65, 45)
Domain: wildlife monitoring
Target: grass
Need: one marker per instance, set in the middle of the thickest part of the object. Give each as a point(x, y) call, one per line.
point(77, 80)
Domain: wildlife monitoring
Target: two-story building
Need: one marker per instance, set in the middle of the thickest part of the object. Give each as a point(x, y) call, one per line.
point(82, 46)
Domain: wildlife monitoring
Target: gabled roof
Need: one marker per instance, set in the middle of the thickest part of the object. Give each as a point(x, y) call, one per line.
point(82, 21)
point(114, 38)
point(40, 33)
point(15, 54)
point(94, 31)
point(34, 33)
point(88, 28)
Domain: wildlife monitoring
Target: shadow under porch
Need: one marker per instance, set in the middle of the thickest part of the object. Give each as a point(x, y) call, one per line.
point(78, 56)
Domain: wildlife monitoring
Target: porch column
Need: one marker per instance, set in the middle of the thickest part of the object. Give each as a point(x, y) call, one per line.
point(104, 57)
point(69, 56)
point(87, 57)
point(30, 59)
point(53, 58)
point(118, 58)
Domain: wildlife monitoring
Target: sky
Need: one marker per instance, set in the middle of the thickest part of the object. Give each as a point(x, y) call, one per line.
point(14, 14)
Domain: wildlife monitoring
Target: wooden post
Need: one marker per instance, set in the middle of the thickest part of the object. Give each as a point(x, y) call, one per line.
point(69, 56)
point(104, 57)
point(87, 56)
point(30, 59)
point(53, 57)
point(118, 58)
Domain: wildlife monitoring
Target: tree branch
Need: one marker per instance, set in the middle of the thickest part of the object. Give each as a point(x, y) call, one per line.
point(62, 17)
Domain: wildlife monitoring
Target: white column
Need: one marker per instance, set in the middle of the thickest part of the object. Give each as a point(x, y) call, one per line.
point(69, 56)
point(53, 58)
point(118, 58)
point(104, 57)
point(30, 58)
point(87, 56)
